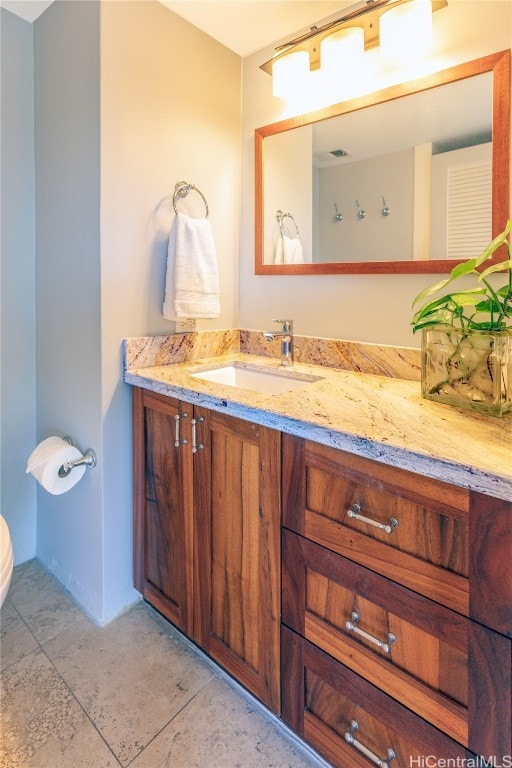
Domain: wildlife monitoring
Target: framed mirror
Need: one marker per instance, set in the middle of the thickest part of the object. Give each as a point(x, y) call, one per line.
point(410, 179)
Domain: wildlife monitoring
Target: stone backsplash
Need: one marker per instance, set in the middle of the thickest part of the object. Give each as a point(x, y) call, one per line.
point(378, 359)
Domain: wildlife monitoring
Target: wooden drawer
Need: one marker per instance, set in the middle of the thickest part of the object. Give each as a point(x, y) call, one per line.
point(322, 698)
point(414, 649)
point(420, 527)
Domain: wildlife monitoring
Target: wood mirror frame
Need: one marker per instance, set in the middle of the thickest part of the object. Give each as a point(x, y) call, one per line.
point(499, 65)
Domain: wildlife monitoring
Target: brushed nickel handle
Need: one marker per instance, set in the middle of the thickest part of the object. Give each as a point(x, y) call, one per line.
point(177, 433)
point(382, 644)
point(354, 513)
point(195, 445)
point(376, 760)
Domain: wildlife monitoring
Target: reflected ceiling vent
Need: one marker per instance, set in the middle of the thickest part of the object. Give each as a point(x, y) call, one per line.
point(323, 159)
point(339, 152)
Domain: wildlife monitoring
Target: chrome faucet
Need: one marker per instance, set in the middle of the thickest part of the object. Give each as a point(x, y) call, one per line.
point(286, 336)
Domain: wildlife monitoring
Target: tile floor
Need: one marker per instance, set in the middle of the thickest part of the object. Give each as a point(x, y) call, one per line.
point(133, 693)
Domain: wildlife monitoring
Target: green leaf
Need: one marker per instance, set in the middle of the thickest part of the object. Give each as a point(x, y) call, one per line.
point(467, 298)
point(449, 308)
point(502, 266)
point(461, 298)
point(494, 244)
point(489, 305)
point(487, 325)
point(433, 307)
point(429, 291)
point(506, 294)
point(466, 268)
point(463, 269)
point(440, 317)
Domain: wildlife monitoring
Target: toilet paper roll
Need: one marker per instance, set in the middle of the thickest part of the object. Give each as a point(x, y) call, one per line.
point(47, 458)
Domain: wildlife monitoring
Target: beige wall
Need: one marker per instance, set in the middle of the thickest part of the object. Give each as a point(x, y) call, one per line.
point(367, 181)
point(366, 308)
point(17, 253)
point(129, 99)
point(67, 282)
point(285, 189)
point(170, 110)
point(157, 101)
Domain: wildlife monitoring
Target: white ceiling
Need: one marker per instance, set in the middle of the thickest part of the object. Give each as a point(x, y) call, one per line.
point(244, 26)
point(399, 124)
point(27, 9)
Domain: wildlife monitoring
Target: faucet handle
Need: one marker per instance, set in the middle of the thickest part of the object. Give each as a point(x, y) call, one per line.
point(287, 325)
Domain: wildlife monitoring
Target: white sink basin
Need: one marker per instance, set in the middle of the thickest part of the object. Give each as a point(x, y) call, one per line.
point(268, 382)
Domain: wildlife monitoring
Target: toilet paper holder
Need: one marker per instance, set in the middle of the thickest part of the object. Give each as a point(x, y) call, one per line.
point(88, 458)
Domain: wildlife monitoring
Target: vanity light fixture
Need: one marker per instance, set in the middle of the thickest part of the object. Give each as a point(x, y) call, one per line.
point(406, 31)
point(395, 25)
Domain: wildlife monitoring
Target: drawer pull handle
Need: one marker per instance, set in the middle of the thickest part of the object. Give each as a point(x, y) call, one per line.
point(350, 625)
point(351, 739)
point(195, 445)
point(354, 514)
point(177, 438)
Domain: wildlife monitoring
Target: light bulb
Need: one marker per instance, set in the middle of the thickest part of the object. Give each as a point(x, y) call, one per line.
point(406, 31)
point(289, 73)
point(342, 63)
point(341, 49)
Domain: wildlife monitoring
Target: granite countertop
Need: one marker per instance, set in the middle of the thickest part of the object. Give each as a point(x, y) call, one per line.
point(377, 417)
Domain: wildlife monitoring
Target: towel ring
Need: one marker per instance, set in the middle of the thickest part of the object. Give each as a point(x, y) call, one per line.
point(182, 189)
point(279, 218)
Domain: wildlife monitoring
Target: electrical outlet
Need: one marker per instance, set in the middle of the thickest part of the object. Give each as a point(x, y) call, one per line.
point(186, 325)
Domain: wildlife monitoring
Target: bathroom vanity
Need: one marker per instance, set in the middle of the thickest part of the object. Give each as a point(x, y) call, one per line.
point(207, 533)
point(343, 549)
point(394, 618)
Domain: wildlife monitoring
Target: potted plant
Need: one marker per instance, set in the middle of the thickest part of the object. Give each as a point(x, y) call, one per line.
point(467, 336)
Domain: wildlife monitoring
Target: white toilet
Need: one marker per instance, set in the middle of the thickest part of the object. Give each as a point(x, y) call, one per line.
point(6, 559)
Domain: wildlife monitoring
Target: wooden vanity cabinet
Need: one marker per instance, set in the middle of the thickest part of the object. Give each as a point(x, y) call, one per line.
point(207, 533)
point(163, 514)
point(395, 602)
point(396, 611)
point(237, 552)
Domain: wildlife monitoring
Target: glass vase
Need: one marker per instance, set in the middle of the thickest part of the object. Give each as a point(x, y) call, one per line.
point(468, 369)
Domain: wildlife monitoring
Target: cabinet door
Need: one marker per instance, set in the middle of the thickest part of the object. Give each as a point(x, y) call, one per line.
point(237, 507)
point(163, 506)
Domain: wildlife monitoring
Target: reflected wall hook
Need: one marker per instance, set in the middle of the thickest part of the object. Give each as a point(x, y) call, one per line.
point(385, 211)
point(337, 216)
point(360, 213)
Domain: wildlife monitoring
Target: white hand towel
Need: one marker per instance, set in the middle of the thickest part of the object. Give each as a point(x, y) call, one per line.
point(192, 280)
point(288, 251)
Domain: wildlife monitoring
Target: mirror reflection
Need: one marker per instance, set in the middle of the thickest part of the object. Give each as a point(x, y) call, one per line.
point(402, 183)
